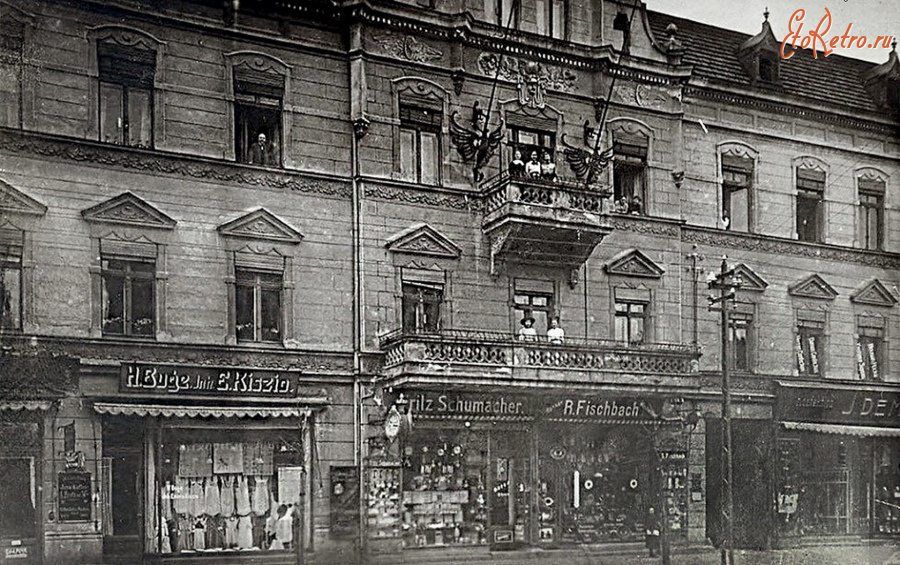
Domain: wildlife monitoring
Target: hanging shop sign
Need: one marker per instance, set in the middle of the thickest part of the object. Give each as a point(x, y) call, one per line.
point(74, 491)
point(207, 381)
point(838, 406)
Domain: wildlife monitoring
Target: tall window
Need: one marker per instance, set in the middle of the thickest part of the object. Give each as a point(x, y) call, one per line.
point(810, 205)
point(12, 40)
point(737, 178)
point(871, 214)
point(126, 94)
point(630, 322)
point(422, 302)
point(810, 348)
point(870, 353)
point(530, 143)
point(129, 298)
point(537, 305)
point(740, 334)
point(550, 17)
point(258, 104)
point(258, 306)
point(498, 12)
point(11, 279)
point(420, 144)
point(629, 172)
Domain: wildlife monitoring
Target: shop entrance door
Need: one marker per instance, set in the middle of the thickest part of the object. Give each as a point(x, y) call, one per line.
point(510, 475)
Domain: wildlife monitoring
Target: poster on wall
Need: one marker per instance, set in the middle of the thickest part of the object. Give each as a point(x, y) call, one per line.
point(290, 484)
point(74, 492)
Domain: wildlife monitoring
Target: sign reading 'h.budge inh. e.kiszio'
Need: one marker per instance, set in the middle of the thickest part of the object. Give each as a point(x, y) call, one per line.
point(207, 381)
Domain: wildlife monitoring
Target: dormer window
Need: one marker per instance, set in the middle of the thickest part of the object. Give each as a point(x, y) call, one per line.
point(759, 55)
point(768, 68)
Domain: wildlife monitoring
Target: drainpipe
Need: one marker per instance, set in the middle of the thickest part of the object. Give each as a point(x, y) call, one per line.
point(358, 100)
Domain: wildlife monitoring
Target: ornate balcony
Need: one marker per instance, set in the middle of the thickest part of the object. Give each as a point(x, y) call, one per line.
point(480, 357)
point(540, 222)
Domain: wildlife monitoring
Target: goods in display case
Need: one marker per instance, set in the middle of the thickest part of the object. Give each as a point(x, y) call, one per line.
point(444, 498)
point(383, 507)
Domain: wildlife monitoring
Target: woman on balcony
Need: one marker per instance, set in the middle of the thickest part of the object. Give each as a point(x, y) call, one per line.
point(533, 167)
point(548, 168)
point(527, 332)
point(517, 165)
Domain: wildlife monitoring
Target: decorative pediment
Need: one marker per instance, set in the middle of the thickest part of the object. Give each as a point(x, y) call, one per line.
point(14, 201)
point(813, 286)
point(749, 279)
point(875, 294)
point(422, 239)
point(633, 263)
point(261, 224)
point(128, 210)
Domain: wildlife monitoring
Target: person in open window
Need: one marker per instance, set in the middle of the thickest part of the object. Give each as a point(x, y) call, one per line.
point(636, 206)
point(261, 152)
point(621, 206)
point(548, 168)
point(726, 221)
point(517, 165)
point(527, 332)
point(555, 334)
point(533, 167)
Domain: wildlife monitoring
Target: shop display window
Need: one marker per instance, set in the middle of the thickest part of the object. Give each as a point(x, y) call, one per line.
point(445, 490)
point(227, 490)
point(595, 483)
point(887, 488)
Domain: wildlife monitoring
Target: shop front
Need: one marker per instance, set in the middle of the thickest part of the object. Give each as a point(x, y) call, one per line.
point(204, 464)
point(507, 470)
point(838, 470)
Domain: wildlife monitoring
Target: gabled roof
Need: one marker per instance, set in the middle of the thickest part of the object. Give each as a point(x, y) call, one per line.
point(633, 263)
point(712, 51)
point(422, 239)
point(261, 224)
point(129, 210)
point(875, 294)
point(813, 286)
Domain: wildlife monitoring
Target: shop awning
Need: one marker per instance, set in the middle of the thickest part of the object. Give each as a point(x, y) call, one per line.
point(128, 409)
point(18, 405)
point(850, 430)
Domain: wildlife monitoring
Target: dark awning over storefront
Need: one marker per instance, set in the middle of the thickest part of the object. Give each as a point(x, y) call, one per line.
point(843, 429)
point(168, 411)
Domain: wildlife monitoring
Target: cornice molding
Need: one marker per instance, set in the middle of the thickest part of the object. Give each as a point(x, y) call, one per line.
point(644, 225)
point(149, 161)
point(414, 195)
point(788, 108)
point(753, 242)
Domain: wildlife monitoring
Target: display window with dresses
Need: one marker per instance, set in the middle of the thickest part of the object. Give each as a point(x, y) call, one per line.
point(209, 488)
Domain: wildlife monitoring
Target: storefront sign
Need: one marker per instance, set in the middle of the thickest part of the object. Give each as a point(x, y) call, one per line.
point(597, 407)
point(74, 491)
point(20, 552)
point(838, 406)
point(207, 381)
point(466, 404)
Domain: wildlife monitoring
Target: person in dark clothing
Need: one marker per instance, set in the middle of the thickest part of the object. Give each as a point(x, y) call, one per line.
point(261, 152)
point(652, 532)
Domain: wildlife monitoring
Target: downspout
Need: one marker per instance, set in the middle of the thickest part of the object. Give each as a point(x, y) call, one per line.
point(358, 99)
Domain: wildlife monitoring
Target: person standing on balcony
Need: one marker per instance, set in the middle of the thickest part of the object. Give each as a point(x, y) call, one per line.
point(533, 167)
point(527, 332)
point(261, 152)
point(555, 334)
point(548, 168)
point(517, 165)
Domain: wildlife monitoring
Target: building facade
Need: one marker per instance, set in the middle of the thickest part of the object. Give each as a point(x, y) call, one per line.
point(302, 280)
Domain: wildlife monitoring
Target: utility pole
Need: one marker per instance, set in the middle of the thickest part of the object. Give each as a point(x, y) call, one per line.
point(726, 282)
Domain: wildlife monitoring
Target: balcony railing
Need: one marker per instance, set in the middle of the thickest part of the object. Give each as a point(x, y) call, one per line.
point(560, 194)
point(498, 349)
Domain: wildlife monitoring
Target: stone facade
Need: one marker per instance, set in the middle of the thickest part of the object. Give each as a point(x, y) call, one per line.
point(371, 195)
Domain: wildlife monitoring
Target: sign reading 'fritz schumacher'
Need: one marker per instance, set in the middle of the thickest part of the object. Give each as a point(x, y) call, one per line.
point(212, 381)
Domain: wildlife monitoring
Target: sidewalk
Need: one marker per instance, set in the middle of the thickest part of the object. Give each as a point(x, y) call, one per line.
point(868, 554)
